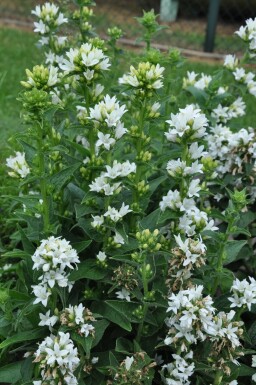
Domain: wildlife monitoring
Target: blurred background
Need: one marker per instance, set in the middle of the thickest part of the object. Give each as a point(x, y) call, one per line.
point(187, 20)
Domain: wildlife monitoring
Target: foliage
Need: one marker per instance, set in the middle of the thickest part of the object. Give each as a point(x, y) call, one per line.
point(128, 254)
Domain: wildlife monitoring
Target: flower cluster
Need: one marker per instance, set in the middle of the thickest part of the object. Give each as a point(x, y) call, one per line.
point(77, 317)
point(145, 79)
point(58, 359)
point(136, 370)
point(189, 123)
point(179, 371)
point(188, 254)
point(53, 257)
point(201, 83)
point(231, 149)
point(193, 319)
point(87, 61)
point(18, 164)
point(187, 126)
point(49, 16)
point(248, 34)
point(101, 183)
point(41, 77)
point(244, 293)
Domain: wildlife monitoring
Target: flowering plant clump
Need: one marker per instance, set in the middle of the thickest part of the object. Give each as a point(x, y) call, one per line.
point(130, 251)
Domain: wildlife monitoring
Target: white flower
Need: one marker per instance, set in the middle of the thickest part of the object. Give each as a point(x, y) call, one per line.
point(203, 82)
point(87, 60)
point(171, 200)
point(40, 27)
point(244, 293)
point(101, 256)
point(108, 110)
point(189, 122)
point(94, 360)
point(87, 329)
point(230, 62)
point(105, 140)
point(97, 220)
point(18, 164)
point(54, 253)
point(42, 294)
point(58, 351)
point(118, 239)
point(194, 188)
point(123, 294)
point(47, 319)
point(115, 215)
point(128, 362)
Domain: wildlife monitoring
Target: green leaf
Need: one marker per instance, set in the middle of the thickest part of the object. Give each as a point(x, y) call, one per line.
point(81, 246)
point(252, 334)
point(29, 150)
point(27, 369)
point(232, 249)
point(200, 95)
point(113, 314)
point(88, 269)
point(28, 246)
point(124, 346)
point(100, 327)
point(63, 177)
point(16, 253)
point(19, 296)
point(85, 342)
point(11, 373)
point(151, 220)
point(112, 360)
point(153, 184)
point(246, 219)
point(30, 335)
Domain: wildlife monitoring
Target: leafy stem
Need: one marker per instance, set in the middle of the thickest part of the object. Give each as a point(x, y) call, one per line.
point(43, 181)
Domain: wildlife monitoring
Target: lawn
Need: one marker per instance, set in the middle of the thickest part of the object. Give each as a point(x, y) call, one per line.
point(18, 51)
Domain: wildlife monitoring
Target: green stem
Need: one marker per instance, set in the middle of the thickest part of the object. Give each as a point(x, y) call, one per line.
point(222, 254)
point(145, 305)
point(43, 182)
point(137, 178)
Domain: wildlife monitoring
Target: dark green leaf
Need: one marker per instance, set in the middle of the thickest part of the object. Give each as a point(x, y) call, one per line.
point(16, 254)
point(124, 346)
point(232, 250)
point(81, 246)
point(11, 373)
point(112, 360)
point(151, 220)
point(63, 177)
point(113, 314)
point(100, 327)
point(88, 269)
point(35, 334)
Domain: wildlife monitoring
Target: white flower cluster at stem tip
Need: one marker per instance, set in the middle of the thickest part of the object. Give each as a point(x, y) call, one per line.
point(58, 359)
point(49, 17)
point(189, 124)
point(87, 61)
point(146, 77)
point(53, 257)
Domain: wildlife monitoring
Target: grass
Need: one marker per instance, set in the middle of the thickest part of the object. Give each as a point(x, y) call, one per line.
point(18, 51)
